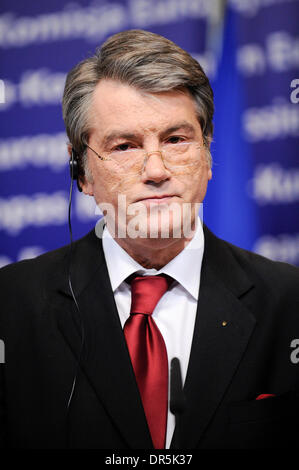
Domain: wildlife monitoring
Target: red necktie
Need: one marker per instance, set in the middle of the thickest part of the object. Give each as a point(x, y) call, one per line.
point(148, 353)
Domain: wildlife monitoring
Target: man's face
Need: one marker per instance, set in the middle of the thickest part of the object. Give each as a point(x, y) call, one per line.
point(124, 118)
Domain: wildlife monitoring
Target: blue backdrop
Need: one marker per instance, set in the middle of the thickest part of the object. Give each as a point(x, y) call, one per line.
point(250, 51)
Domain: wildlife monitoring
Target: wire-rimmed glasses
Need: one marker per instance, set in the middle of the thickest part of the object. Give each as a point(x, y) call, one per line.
point(176, 157)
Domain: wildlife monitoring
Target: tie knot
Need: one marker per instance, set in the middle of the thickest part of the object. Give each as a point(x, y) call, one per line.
point(147, 291)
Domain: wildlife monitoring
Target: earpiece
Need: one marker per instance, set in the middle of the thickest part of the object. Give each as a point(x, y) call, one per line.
point(74, 168)
point(74, 171)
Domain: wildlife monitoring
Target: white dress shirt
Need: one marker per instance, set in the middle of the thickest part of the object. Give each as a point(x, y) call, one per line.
point(176, 311)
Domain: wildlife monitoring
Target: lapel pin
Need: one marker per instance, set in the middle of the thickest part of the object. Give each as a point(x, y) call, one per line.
point(224, 323)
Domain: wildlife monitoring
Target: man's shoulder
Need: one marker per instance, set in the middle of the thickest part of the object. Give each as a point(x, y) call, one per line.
point(36, 269)
point(257, 267)
point(29, 287)
point(259, 264)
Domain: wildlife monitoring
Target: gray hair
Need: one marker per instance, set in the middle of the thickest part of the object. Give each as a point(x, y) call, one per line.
point(144, 60)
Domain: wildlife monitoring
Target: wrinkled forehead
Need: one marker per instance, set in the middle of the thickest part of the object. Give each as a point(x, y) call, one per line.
point(120, 106)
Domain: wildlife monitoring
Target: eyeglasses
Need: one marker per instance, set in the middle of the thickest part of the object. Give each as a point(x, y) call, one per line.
point(176, 157)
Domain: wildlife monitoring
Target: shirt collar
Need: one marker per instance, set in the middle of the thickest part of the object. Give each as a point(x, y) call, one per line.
point(182, 268)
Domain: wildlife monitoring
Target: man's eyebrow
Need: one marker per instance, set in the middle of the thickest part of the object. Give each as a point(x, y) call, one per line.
point(118, 135)
point(184, 126)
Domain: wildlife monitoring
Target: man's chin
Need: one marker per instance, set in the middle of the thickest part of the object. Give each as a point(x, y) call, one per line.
point(155, 230)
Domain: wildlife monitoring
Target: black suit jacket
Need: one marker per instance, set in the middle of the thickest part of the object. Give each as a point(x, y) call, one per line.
point(229, 365)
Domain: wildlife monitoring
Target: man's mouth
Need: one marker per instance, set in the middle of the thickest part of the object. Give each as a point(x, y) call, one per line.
point(157, 199)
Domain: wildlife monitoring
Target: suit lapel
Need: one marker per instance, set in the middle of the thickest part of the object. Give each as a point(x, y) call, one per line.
point(105, 360)
point(222, 330)
point(215, 354)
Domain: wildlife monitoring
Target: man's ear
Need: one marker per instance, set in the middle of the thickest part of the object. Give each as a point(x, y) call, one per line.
point(69, 149)
point(209, 155)
point(85, 186)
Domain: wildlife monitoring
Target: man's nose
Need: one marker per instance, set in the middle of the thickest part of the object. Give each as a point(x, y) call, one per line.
point(154, 168)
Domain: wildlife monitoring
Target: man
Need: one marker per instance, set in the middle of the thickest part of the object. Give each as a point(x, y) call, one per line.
point(90, 330)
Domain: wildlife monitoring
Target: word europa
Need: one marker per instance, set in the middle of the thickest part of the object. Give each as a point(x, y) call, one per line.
point(152, 459)
point(41, 150)
point(295, 354)
point(39, 209)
